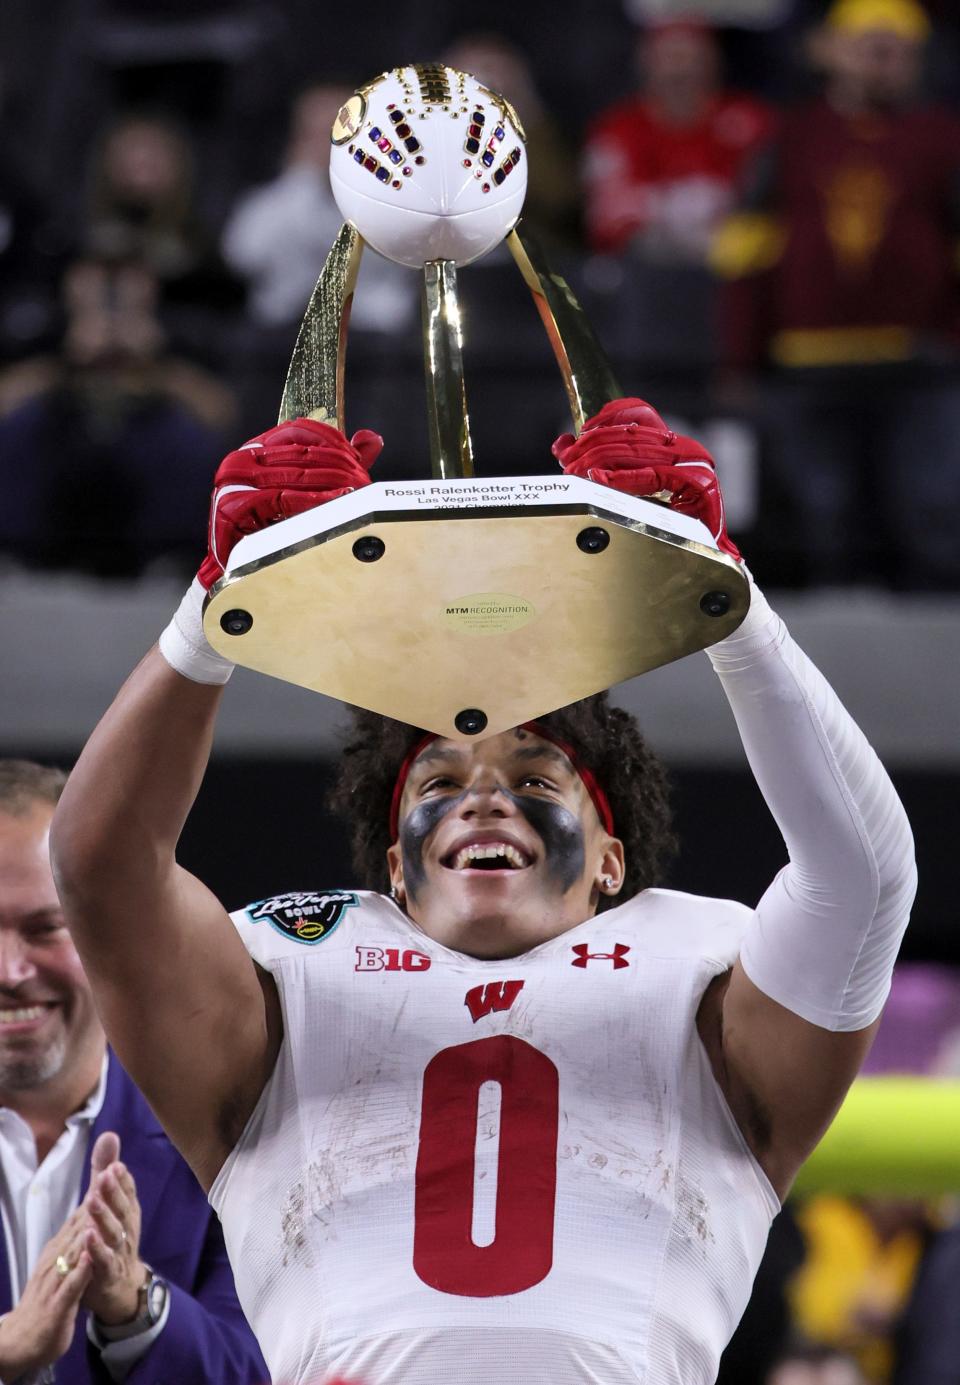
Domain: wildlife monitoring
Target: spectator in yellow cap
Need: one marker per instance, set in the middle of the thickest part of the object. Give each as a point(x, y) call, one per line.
point(903, 17)
point(872, 50)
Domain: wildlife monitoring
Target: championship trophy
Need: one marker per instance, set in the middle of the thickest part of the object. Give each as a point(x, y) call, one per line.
point(463, 605)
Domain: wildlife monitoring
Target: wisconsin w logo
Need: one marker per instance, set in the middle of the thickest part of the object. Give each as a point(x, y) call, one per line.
point(496, 995)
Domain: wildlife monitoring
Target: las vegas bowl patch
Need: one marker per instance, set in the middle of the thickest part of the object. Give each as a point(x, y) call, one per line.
point(305, 916)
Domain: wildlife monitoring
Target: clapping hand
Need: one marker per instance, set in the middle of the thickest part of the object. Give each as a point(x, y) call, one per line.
point(39, 1329)
point(111, 1236)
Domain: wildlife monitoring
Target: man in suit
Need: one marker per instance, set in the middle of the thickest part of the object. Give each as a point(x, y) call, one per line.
point(99, 1211)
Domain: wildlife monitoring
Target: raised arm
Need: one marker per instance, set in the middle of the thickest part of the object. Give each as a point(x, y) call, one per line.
point(174, 984)
point(193, 1021)
point(815, 967)
point(788, 1029)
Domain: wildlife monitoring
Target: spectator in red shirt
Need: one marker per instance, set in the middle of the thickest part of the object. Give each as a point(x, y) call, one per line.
point(661, 167)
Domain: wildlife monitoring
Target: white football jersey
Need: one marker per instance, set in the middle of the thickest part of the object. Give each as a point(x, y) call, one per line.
point(466, 1171)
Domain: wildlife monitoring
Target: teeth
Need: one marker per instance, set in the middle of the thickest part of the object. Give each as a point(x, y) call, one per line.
point(33, 1012)
point(490, 852)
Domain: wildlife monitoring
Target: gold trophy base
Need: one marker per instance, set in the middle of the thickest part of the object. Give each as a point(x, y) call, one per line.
point(467, 622)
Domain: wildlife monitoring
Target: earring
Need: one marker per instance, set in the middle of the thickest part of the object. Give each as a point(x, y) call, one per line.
point(395, 895)
point(607, 882)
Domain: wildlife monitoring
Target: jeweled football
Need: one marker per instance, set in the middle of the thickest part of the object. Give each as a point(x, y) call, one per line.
point(429, 164)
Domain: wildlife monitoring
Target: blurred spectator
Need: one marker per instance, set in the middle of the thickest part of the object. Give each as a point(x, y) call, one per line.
point(875, 1268)
point(816, 1366)
point(278, 235)
point(95, 439)
point(928, 1341)
point(843, 283)
point(661, 168)
point(861, 1260)
point(552, 205)
point(142, 207)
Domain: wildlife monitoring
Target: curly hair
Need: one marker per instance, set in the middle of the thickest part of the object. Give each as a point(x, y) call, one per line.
point(607, 739)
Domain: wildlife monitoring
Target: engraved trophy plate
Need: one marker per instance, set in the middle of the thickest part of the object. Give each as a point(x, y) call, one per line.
point(463, 606)
point(532, 594)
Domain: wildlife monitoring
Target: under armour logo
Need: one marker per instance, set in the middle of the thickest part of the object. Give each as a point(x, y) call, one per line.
point(618, 956)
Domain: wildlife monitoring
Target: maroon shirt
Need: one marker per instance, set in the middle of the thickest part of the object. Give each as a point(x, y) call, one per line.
point(870, 210)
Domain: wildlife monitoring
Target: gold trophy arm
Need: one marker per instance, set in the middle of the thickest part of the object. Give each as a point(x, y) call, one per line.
point(451, 451)
point(587, 373)
point(314, 384)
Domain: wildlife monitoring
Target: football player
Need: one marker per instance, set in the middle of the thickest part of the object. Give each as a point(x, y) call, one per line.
point(517, 1113)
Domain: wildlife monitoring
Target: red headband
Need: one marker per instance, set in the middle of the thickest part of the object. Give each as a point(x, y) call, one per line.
point(590, 783)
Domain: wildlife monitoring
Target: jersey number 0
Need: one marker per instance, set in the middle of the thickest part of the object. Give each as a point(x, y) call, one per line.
point(445, 1255)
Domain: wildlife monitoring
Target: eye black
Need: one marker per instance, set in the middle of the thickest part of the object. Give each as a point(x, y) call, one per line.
point(441, 782)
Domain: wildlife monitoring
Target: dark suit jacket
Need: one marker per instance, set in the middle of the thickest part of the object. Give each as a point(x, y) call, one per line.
point(206, 1340)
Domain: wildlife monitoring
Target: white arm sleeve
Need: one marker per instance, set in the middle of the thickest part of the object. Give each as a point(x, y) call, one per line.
point(825, 934)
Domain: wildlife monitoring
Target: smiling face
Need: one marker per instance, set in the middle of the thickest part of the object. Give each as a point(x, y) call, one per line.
point(500, 846)
point(50, 1036)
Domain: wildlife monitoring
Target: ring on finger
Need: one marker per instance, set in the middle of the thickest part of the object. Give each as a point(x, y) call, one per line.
point(62, 1266)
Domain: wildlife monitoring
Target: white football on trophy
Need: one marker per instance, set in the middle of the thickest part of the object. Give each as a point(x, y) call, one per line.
point(428, 164)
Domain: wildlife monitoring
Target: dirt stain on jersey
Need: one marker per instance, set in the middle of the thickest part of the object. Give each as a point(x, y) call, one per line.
point(693, 1212)
point(293, 1227)
point(308, 1200)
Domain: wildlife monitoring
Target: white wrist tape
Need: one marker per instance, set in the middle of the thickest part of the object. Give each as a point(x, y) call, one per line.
point(825, 935)
point(184, 645)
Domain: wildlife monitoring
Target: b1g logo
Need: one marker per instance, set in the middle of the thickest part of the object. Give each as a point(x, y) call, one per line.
point(304, 915)
point(391, 959)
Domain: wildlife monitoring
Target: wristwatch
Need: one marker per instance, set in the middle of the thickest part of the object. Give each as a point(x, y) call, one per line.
point(151, 1301)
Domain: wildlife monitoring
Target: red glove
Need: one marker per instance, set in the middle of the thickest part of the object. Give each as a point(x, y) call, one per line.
point(284, 471)
point(628, 446)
